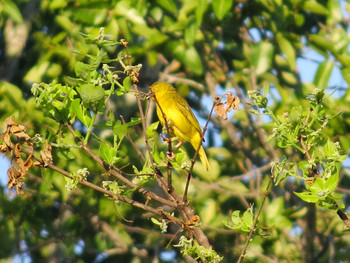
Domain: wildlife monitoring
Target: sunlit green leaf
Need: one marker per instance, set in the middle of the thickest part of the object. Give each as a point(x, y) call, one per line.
point(288, 50)
point(315, 7)
point(261, 57)
point(221, 7)
point(91, 94)
point(323, 74)
point(307, 197)
point(200, 10)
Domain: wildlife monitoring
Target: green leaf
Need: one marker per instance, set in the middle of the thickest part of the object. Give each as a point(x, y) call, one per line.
point(289, 77)
point(247, 220)
point(180, 161)
point(82, 69)
point(193, 61)
point(295, 115)
point(261, 57)
point(168, 5)
point(332, 182)
point(321, 43)
point(202, 6)
point(242, 223)
point(323, 74)
point(315, 7)
point(207, 213)
point(154, 36)
point(91, 94)
point(304, 167)
point(235, 217)
point(134, 121)
point(346, 75)
point(78, 111)
point(36, 73)
point(91, 13)
point(221, 7)
point(330, 149)
point(191, 33)
point(120, 130)
point(151, 129)
point(108, 154)
point(127, 83)
point(58, 4)
point(335, 10)
point(307, 197)
point(287, 49)
point(318, 186)
point(11, 9)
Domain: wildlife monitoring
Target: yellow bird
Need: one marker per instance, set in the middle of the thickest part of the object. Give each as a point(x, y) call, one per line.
point(182, 122)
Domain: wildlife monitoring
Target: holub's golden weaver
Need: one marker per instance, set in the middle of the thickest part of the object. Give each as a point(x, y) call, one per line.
point(183, 123)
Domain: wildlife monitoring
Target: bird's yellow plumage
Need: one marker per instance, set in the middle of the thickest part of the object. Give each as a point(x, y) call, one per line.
point(183, 123)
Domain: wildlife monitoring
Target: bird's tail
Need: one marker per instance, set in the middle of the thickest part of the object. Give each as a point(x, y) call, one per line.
point(203, 157)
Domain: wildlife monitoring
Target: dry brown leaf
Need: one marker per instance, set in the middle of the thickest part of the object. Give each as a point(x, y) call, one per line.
point(46, 154)
point(15, 129)
point(232, 103)
point(221, 109)
point(21, 160)
point(14, 177)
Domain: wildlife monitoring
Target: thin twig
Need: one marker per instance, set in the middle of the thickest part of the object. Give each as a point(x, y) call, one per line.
point(252, 230)
point(127, 136)
point(116, 196)
point(189, 175)
point(115, 173)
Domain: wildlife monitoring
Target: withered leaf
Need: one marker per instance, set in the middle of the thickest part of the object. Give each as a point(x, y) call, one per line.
point(14, 177)
point(221, 109)
point(46, 154)
point(16, 129)
point(21, 159)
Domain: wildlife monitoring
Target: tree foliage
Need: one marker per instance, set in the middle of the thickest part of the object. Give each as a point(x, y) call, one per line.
point(93, 175)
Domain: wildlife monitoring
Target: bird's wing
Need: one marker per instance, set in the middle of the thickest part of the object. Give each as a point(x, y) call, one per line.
point(185, 108)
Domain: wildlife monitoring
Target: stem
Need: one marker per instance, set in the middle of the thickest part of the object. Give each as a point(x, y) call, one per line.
point(252, 230)
point(90, 128)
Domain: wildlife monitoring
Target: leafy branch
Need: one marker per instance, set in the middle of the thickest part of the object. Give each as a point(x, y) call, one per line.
point(80, 107)
point(303, 130)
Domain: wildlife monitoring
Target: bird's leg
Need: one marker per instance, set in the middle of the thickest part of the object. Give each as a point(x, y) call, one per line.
point(166, 139)
point(170, 153)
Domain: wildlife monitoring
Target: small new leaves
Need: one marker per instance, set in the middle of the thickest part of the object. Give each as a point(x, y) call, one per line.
point(303, 129)
point(241, 222)
point(282, 169)
point(56, 100)
point(113, 187)
point(82, 114)
point(162, 224)
point(76, 177)
point(108, 154)
point(258, 100)
point(321, 192)
point(317, 96)
point(199, 253)
point(151, 129)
